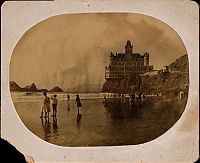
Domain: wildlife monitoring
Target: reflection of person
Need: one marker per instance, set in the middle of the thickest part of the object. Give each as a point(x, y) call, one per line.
point(54, 105)
point(78, 102)
point(46, 106)
point(78, 119)
point(68, 102)
point(46, 127)
point(55, 125)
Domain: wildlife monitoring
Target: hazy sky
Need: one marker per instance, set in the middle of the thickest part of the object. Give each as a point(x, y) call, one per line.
point(73, 49)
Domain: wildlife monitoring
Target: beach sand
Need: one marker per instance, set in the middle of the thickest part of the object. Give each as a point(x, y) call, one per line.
point(99, 125)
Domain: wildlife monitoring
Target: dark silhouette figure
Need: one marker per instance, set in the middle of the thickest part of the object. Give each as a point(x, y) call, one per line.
point(78, 102)
point(68, 102)
point(140, 96)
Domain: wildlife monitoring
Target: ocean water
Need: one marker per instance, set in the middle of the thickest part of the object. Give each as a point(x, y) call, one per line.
point(98, 124)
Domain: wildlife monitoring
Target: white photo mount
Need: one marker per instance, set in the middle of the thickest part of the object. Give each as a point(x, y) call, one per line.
point(179, 144)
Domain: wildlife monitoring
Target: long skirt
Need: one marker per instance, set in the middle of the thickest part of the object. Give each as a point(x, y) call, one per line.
point(79, 104)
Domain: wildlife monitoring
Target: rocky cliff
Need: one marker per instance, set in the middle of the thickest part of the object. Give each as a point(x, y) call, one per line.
point(129, 85)
point(181, 64)
point(32, 88)
point(164, 83)
point(159, 82)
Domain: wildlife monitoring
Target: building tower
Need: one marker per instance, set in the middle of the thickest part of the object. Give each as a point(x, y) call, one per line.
point(146, 59)
point(111, 58)
point(128, 47)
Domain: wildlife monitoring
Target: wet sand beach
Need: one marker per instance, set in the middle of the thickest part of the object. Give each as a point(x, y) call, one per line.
point(99, 125)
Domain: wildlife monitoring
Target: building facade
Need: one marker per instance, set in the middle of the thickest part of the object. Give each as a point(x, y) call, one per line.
point(124, 65)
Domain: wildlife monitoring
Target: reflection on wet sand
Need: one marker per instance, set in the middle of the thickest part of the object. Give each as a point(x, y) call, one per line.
point(113, 121)
point(145, 119)
point(55, 125)
point(78, 119)
point(68, 106)
point(47, 128)
point(123, 108)
point(46, 125)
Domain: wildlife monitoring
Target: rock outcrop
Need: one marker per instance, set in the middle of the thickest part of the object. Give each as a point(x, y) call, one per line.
point(14, 86)
point(32, 88)
point(56, 89)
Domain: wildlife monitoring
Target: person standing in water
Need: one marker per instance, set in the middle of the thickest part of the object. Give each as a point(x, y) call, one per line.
point(78, 102)
point(104, 100)
point(140, 96)
point(68, 102)
point(46, 106)
point(54, 105)
point(131, 101)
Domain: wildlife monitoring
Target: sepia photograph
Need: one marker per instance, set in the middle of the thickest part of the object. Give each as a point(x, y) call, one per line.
point(99, 79)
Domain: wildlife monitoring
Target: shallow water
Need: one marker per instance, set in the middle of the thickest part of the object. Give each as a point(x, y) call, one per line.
point(99, 125)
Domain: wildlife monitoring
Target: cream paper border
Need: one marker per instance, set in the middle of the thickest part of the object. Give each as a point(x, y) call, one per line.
point(179, 144)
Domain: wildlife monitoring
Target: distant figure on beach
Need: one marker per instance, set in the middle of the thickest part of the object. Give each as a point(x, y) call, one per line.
point(140, 96)
point(54, 105)
point(123, 99)
point(78, 102)
point(46, 106)
point(104, 100)
point(68, 102)
point(131, 101)
point(143, 98)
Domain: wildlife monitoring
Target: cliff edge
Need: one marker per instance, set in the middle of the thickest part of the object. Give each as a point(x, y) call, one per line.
point(155, 82)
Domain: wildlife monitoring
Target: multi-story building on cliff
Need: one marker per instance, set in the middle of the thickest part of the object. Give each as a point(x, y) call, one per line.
point(124, 65)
